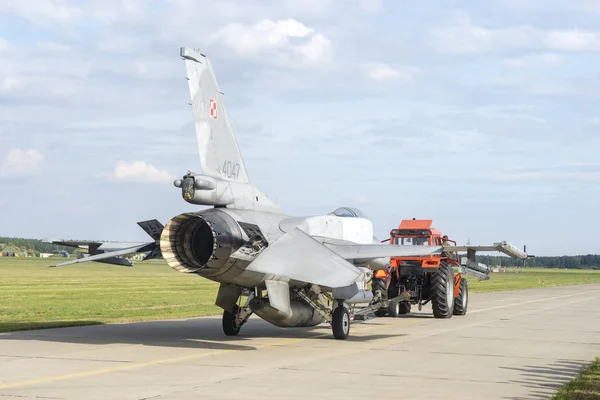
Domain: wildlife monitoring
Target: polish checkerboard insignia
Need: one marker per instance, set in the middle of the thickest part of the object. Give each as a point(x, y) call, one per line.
point(213, 108)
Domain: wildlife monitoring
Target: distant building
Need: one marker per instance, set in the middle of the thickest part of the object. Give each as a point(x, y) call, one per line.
point(13, 251)
point(63, 253)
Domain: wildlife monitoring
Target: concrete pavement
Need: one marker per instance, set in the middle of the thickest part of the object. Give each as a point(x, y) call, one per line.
point(510, 345)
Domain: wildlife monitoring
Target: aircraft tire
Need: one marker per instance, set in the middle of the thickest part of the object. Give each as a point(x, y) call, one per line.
point(394, 308)
point(229, 326)
point(442, 291)
point(404, 308)
point(340, 323)
point(462, 300)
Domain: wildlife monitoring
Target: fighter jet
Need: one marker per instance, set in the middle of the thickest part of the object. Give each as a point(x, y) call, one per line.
point(289, 271)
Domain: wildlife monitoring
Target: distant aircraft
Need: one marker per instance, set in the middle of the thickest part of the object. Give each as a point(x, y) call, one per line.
point(293, 271)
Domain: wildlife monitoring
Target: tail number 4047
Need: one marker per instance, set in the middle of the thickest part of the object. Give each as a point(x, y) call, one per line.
point(230, 170)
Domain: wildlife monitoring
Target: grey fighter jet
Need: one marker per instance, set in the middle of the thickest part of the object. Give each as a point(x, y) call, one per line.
point(290, 271)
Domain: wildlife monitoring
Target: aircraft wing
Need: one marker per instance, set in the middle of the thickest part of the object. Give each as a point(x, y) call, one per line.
point(297, 256)
point(502, 247)
point(365, 252)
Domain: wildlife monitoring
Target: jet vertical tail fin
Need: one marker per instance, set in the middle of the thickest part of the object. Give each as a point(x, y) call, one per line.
point(224, 180)
point(220, 156)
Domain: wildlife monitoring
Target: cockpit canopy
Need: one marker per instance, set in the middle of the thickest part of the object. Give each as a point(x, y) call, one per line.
point(348, 212)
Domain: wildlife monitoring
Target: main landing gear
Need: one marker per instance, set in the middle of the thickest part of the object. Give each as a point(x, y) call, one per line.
point(233, 321)
point(340, 322)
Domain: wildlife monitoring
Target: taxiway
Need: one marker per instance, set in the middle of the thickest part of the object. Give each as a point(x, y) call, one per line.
point(510, 345)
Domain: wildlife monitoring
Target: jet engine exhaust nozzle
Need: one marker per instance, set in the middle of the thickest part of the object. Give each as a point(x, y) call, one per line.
point(191, 242)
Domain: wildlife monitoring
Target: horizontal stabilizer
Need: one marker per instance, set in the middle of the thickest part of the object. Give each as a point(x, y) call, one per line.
point(108, 255)
point(297, 256)
point(82, 244)
point(94, 247)
point(112, 260)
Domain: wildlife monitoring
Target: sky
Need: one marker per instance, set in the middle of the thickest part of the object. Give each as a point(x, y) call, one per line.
point(483, 116)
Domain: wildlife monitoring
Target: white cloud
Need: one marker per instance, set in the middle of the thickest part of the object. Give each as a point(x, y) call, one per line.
point(535, 60)
point(41, 12)
point(570, 172)
point(21, 162)
point(385, 72)
point(463, 36)
point(138, 171)
point(288, 39)
point(571, 40)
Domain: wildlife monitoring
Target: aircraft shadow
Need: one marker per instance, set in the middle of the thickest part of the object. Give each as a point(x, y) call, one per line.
point(545, 380)
point(201, 333)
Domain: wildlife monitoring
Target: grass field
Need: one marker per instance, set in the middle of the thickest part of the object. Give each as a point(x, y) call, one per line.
point(585, 387)
point(34, 296)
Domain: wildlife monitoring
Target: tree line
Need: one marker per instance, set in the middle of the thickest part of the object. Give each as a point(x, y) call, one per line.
point(32, 244)
point(589, 261)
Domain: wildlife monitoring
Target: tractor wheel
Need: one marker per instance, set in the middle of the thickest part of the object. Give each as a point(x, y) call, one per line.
point(378, 284)
point(230, 328)
point(442, 291)
point(340, 323)
point(462, 300)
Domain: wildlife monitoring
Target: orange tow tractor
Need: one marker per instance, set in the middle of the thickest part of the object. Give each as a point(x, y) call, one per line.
point(419, 280)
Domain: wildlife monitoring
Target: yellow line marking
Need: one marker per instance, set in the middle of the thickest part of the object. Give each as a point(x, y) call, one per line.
point(184, 358)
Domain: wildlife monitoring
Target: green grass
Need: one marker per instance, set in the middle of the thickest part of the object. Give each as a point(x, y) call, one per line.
point(528, 278)
point(585, 387)
point(34, 296)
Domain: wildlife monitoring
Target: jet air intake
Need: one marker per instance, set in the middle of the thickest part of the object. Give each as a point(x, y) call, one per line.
point(191, 242)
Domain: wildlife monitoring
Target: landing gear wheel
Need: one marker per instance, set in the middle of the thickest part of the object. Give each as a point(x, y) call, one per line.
point(394, 308)
point(442, 291)
point(230, 328)
point(340, 323)
point(397, 308)
point(462, 300)
point(404, 308)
